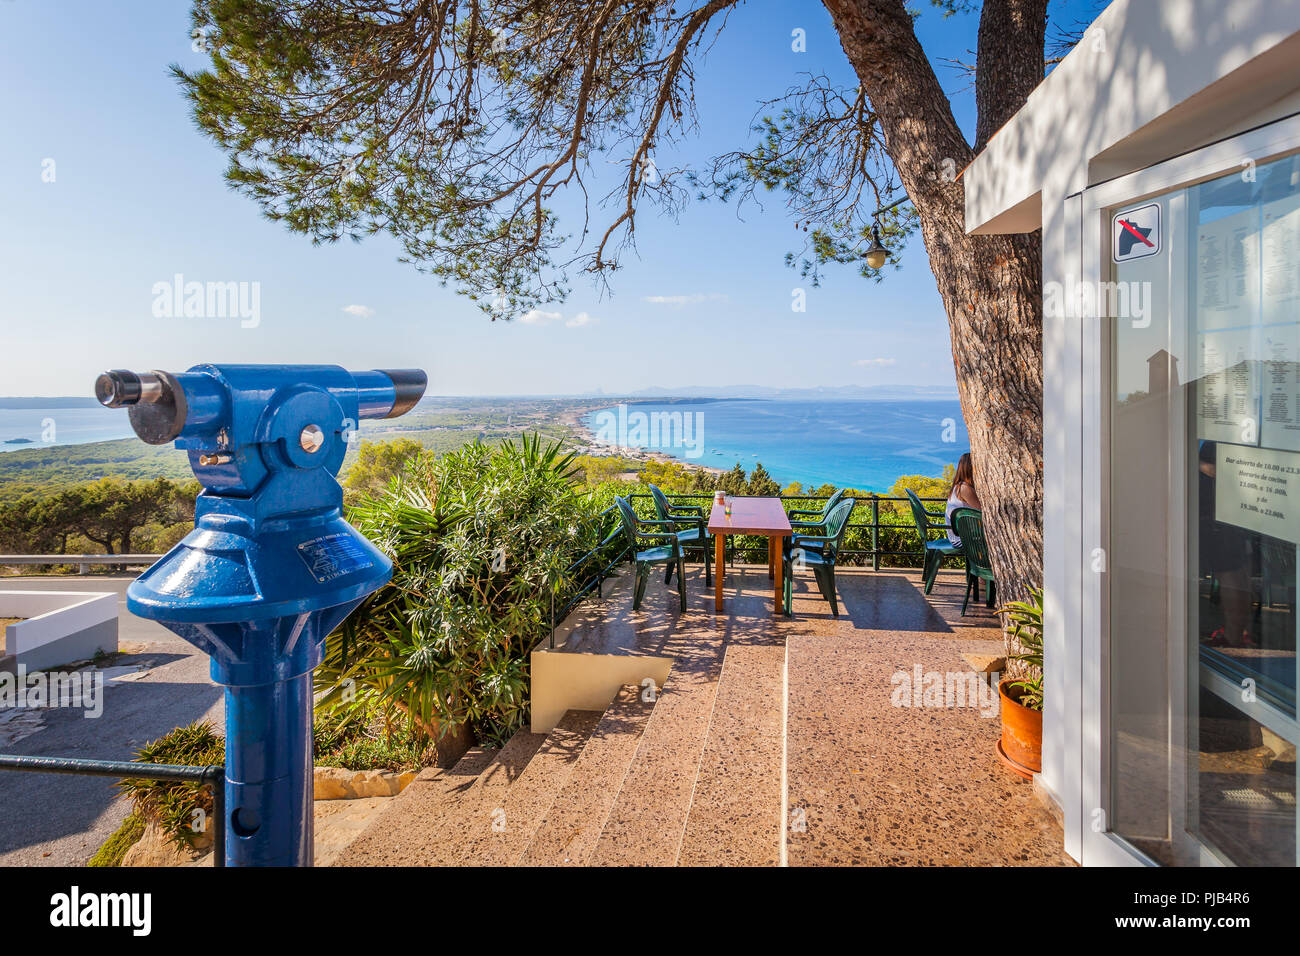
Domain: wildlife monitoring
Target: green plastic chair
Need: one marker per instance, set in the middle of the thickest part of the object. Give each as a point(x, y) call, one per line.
point(692, 538)
point(969, 525)
point(819, 552)
point(816, 525)
point(815, 519)
point(667, 551)
point(936, 550)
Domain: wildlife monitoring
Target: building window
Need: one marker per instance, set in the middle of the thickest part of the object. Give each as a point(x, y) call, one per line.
point(1203, 519)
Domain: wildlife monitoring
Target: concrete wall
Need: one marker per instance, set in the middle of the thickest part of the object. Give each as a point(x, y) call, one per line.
point(59, 627)
point(568, 680)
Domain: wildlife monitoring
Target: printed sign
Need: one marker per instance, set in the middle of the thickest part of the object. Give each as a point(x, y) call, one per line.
point(333, 556)
point(1135, 233)
point(1257, 489)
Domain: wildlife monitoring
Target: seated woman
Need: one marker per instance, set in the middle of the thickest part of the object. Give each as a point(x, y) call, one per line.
point(962, 493)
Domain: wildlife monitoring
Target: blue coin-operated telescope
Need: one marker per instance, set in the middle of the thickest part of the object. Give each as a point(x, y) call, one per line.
point(271, 566)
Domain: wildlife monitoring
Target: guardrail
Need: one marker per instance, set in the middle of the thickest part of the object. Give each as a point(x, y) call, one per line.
point(130, 770)
point(870, 502)
point(83, 561)
point(598, 562)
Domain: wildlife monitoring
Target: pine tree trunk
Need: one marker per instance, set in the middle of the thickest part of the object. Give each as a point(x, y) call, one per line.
point(990, 285)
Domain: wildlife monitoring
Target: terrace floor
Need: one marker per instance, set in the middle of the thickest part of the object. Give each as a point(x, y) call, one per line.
point(772, 741)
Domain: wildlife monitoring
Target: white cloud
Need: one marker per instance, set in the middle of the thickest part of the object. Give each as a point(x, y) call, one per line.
point(361, 311)
point(875, 362)
point(677, 301)
point(538, 317)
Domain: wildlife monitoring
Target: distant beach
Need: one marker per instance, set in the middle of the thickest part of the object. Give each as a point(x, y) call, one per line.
point(865, 444)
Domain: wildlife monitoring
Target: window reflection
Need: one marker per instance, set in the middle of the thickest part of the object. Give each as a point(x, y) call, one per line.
point(1204, 523)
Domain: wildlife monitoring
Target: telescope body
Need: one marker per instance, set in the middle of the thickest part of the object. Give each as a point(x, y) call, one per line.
point(271, 566)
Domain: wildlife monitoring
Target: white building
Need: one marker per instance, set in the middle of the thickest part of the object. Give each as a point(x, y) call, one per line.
point(1162, 161)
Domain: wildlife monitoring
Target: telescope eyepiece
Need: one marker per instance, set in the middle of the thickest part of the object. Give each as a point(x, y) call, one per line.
point(117, 388)
point(121, 387)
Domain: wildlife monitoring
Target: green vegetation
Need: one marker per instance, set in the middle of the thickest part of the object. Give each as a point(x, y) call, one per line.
point(124, 837)
point(41, 470)
point(108, 516)
point(342, 741)
point(181, 808)
point(440, 425)
point(377, 464)
point(1025, 630)
point(481, 539)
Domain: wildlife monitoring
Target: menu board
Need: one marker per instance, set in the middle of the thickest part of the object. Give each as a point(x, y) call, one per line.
point(1227, 271)
point(1227, 386)
point(1279, 315)
point(1280, 261)
point(1228, 376)
point(1280, 425)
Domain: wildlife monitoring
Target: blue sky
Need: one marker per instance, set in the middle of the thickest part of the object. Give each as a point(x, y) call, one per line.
point(137, 197)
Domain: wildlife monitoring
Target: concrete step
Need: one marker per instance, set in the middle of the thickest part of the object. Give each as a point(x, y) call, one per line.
point(568, 832)
point(735, 813)
point(417, 828)
point(499, 835)
point(648, 818)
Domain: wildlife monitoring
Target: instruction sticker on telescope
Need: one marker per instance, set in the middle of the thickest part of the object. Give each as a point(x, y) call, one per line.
point(333, 556)
point(1135, 233)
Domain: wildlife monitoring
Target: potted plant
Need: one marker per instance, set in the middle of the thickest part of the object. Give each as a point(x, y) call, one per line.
point(1021, 746)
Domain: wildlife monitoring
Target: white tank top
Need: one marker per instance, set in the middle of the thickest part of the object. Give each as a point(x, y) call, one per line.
point(953, 504)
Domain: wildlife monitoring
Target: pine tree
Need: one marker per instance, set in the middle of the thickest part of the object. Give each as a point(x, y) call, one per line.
point(458, 127)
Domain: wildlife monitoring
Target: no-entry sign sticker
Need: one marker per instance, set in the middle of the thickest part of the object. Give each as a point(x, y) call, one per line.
point(1135, 233)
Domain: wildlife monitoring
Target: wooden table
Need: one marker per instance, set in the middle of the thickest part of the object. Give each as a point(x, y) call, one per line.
point(763, 516)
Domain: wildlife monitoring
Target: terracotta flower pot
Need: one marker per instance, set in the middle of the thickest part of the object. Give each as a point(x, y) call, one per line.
point(1021, 746)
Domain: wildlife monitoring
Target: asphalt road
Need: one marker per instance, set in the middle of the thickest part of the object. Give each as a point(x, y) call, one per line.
point(53, 819)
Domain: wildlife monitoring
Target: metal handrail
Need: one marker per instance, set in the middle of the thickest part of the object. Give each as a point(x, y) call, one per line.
point(595, 581)
point(79, 558)
point(874, 525)
point(128, 769)
point(82, 561)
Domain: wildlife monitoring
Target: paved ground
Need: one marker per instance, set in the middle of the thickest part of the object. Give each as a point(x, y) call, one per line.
point(813, 711)
point(52, 819)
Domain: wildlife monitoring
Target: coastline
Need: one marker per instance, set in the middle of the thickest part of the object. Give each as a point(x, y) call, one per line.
point(589, 445)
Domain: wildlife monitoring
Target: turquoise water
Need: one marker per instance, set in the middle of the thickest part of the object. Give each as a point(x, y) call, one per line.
point(42, 427)
point(861, 444)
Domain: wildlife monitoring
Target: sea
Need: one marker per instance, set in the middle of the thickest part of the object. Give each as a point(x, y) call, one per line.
point(38, 427)
point(863, 444)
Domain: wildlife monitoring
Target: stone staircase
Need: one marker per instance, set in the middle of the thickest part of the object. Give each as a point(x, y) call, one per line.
point(689, 774)
point(759, 721)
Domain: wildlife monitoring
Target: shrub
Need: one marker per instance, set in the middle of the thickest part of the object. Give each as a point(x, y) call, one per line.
point(369, 745)
point(1024, 633)
point(177, 806)
point(481, 540)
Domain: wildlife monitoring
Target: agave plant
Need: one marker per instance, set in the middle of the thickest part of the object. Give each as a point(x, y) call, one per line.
point(481, 541)
point(1025, 629)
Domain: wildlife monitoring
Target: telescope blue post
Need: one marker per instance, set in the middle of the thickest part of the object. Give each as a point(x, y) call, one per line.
point(269, 773)
point(271, 567)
